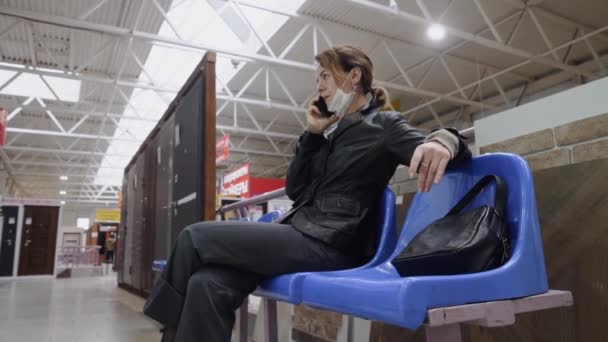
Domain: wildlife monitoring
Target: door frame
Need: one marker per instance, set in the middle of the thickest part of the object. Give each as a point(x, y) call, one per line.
point(20, 213)
point(58, 238)
point(19, 219)
point(21, 203)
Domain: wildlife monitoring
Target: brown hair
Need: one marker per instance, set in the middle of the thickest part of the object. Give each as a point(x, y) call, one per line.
point(342, 59)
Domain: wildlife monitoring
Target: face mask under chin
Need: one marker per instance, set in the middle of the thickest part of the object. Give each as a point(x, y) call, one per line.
point(341, 100)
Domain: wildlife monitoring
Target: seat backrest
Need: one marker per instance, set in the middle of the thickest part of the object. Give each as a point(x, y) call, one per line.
point(387, 238)
point(520, 209)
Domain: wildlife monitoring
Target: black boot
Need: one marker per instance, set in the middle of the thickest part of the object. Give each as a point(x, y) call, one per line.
point(168, 334)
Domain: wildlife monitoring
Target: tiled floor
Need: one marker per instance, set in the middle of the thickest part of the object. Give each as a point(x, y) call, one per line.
point(72, 310)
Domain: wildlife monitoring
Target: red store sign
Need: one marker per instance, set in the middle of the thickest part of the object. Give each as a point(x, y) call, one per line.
point(222, 149)
point(237, 182)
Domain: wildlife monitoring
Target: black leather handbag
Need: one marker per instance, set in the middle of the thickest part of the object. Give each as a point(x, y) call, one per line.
point(460, 243)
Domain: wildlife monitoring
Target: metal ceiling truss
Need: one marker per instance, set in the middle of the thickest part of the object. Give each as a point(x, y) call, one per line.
point(126, 36)
point(498, 45)
point(314, 22)
point(147, 37)
point(518, 65)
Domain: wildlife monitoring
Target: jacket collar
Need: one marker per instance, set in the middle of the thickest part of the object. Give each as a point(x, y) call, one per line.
point(346, 123)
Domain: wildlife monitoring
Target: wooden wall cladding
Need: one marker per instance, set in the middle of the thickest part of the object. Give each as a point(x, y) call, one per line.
point(164, 193)
point(137, 233)
point(120, 237)
point(128, 226)
point(188, 160)
point(170, 182)
point(572, 204)
point(148, 213)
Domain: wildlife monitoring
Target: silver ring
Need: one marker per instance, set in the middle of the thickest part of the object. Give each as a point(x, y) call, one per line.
point(424, 164)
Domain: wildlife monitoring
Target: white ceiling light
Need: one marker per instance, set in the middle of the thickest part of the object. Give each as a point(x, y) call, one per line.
point(436, 32)
point(62, 202)
point(63, 178)
point(62, 192)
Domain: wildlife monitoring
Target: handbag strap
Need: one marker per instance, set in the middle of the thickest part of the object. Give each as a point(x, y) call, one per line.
point(500, 197)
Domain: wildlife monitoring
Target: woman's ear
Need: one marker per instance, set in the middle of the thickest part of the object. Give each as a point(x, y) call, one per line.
point(356, 78)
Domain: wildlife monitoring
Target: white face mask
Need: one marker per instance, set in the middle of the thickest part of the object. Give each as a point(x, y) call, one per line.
point(341, 101)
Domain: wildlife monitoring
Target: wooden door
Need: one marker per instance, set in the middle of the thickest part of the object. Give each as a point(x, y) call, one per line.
point(136, 229)
point(152, 156)
point(8, 239)
point(119, 254)
point(164, 195)
point(38, 239)
point(194, 151)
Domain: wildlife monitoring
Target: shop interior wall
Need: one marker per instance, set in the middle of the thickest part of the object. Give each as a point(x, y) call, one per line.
point(164, 185)
point(574, 104)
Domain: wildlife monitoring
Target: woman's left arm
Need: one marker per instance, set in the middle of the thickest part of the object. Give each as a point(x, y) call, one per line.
point(427, 156)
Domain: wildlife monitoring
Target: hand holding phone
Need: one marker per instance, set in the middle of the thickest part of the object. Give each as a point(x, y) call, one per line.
point(322, 106)
point(318, 116)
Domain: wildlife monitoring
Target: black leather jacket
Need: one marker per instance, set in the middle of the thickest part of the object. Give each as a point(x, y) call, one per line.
point(336, 183)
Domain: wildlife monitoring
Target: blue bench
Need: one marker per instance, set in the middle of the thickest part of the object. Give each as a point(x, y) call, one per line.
point(375, 291)
point(288, 287)
point(491, 298)
point(271, 216)
point(159, 265)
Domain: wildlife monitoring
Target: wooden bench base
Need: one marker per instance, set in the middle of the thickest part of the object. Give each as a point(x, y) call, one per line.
point(442, 324)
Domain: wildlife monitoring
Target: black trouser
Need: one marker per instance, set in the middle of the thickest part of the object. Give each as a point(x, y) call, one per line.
point(109, 256)
point(215, 265)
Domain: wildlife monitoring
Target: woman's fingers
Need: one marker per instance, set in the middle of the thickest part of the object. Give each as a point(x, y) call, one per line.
point(429, 161)
point(315, 111)
point(332, 119)
point(430, 177)
point(422, 175)
point(415, 161)
point(443, 163)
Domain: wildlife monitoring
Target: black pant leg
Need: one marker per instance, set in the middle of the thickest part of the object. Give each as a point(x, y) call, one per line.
point(165, 302)
point(264, 249)
point(213, 295)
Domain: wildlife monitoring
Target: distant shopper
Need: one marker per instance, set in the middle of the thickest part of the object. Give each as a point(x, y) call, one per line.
point(110, 246)
point(343, 161)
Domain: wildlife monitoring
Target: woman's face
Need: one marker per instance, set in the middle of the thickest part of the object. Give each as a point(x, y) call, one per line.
point(326, 83)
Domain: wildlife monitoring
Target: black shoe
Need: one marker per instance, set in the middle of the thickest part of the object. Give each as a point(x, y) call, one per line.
point(168, 334)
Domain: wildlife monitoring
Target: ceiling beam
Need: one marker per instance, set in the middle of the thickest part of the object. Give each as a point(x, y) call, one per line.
point(149, 37)
point(11, 171)
point(470, 37)
point(310, 20)
point(231, 129)
point(67, 165)
point(515, 66)
point(103, 154)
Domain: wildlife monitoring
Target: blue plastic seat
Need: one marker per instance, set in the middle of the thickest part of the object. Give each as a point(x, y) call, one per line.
point(159, 265)
point(379, 293)
point(288, 287)
point(271, 216)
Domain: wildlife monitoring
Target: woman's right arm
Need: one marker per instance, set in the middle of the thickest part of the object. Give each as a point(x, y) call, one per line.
point(299, 174)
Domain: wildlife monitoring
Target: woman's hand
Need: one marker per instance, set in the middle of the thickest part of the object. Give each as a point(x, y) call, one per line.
point(429, 160)
point(317, 122)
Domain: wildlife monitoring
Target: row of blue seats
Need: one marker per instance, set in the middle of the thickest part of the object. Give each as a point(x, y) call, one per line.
point(375, 291)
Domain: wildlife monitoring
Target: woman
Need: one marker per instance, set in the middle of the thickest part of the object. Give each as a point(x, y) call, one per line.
point(341, 165)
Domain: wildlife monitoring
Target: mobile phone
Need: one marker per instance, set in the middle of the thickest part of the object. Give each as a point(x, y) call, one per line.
point(320, 103)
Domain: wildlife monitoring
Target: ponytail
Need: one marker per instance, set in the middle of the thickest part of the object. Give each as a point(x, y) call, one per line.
point(380, 99)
